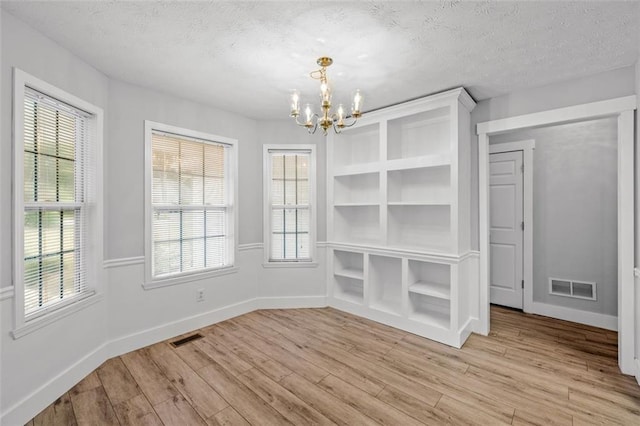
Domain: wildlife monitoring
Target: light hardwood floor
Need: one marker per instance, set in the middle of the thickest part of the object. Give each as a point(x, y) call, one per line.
point(323, 366)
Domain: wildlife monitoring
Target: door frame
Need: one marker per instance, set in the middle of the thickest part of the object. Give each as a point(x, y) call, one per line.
point(623, 109)
point(527, 147)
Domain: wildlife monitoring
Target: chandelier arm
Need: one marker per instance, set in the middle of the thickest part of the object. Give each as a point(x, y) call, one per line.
point(297, 122)
point(334, 117)
point(355, 120)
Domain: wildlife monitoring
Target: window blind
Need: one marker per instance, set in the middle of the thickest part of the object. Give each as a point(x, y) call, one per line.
point(190, 201)
point(290, 206)
point(55, 196)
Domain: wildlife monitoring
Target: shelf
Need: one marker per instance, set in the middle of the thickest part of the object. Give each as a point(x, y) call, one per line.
point(423, 203)
point(421, 186)
point(430, 279)
point(420, 134)
point(362, 189)
point(356, 169)
point(355, 204)
point(425, 227)
point(358, 145)
point(349, 290)
point(434, 160)
point(352, 273)
point(348, 264)
point(440, 291)
point(430, 310)
point(434, 319)
point(357, 224)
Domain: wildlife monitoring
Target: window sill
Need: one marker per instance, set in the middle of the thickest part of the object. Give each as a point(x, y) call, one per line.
point(166, 282)
point(51, 317)
point(290, 265)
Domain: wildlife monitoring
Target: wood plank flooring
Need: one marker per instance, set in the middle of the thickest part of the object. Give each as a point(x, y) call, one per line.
point(323, 366)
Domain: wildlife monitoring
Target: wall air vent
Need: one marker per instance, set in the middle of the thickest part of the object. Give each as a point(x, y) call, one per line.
point(185, 340)
point(575, 289)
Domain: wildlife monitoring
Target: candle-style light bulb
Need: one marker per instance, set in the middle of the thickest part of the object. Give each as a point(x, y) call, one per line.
point(356, 108)
point(308, 113)
point(340, 115)
point(295, 103)
point(325, 92)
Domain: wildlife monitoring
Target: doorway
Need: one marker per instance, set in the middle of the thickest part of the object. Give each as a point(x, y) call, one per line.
point(623, 110)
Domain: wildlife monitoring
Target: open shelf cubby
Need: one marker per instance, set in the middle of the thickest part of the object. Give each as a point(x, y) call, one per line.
point(424, 185)
point(357, 146)
point(356, 189)
point(356, 224)
point(385, 284)
point(348, 264)
point(424, 227)
point(430, 310)
point(349, 289)
point(425, 133)
point(430, 279)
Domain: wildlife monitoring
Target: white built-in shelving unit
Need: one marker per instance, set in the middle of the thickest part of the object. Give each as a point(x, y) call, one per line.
point(398, 218)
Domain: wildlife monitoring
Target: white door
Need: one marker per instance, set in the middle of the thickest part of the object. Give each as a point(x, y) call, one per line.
point(506, 228)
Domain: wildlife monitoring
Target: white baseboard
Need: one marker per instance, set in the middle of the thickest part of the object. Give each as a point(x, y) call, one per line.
point(475, 325)
point(291, 302)
point(637, 374)
point(26, 409)
point(595, 319)
point(143, 338)
point(466, 330)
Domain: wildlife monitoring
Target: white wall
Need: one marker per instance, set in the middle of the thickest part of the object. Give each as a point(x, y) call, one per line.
point(53, 349)
point(607, 85)
point(129, 317)
point(574, 210)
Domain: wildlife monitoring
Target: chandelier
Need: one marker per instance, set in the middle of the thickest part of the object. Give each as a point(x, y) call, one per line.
point(326, 118)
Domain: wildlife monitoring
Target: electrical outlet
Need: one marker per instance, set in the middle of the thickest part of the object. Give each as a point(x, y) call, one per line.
point(200, 295)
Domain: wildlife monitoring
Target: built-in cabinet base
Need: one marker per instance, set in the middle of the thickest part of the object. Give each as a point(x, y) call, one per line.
point(426, 294)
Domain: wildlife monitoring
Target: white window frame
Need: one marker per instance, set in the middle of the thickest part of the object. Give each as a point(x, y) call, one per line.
point(231, 173)
point(93, 250)
point(266, 179)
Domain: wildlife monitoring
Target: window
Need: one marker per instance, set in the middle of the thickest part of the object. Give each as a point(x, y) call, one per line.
point(289, 203)
point(191, 193)
point(57, 212)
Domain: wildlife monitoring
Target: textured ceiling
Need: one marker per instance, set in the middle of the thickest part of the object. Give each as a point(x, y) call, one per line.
point(246, 56)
